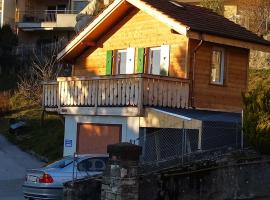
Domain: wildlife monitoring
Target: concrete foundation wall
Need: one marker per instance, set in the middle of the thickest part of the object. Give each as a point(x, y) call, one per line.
point(249, 180)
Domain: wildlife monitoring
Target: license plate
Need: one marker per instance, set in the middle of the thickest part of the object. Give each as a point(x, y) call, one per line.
point(31, 178)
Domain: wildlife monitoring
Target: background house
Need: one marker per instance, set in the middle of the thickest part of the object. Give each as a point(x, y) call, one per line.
point(143, 67)
point(7, 12)
point(47, 21)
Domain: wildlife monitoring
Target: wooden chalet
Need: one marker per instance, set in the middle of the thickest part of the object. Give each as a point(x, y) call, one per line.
point(139, 57)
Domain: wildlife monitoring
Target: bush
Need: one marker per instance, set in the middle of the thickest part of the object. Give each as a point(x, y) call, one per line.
point(257, 118)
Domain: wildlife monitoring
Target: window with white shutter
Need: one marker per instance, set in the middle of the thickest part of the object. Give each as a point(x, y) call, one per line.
point(159, 60)
point(125, 61)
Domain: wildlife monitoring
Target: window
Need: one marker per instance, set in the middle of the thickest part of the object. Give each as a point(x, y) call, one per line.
point(125, 61)
point(85, 165)
point(92, 164)
point(154, 61)
point(217, 66)
point(79, 5)
point(158, 60)
point(121, 61)
point(61, 163)
point(100, 165)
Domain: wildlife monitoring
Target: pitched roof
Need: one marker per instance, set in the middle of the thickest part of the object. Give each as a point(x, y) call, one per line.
point(181, 17)
point(203, 20)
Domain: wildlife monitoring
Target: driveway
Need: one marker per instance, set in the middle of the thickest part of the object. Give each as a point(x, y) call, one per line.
point(13, 165)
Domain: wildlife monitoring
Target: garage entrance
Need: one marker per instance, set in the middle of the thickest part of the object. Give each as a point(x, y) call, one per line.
point(94, 138)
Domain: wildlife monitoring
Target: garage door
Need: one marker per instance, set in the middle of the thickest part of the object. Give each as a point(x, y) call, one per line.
point(94, 138)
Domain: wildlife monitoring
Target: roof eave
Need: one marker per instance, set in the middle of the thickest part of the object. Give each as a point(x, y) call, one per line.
point(229, 41)
point(83, 34)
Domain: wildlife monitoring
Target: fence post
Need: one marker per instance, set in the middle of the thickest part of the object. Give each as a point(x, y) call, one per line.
point(157, 147)
point(200, 137)
point(183, 138)
point(242, 129)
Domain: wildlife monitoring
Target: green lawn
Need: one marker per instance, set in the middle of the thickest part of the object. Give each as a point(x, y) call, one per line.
point(44, 139)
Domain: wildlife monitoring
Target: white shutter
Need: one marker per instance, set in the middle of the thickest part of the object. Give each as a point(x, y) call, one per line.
point(164, 60)
point(130, 60)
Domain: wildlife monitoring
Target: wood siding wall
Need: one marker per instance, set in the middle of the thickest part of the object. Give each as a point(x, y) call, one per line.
point(138, 29)
point(229, 96)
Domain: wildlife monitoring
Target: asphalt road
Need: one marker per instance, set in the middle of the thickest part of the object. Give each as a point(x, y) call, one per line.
point(13, 165)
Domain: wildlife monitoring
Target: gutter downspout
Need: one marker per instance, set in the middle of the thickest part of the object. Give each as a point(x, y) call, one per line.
point(193, 69)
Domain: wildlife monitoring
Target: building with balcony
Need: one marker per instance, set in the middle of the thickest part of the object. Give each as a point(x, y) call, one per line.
point(7, 12)
point(145, 65)
point(40, 22)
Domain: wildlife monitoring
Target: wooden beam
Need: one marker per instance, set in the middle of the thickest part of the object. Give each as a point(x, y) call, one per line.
point(228, 41)
point(89, 43)
point(158, 119)
point(101, 111)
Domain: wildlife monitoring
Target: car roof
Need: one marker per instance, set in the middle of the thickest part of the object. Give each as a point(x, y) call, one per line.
point(88, 156)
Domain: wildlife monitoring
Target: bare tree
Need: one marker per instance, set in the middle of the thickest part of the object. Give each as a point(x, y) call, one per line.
point(257, 13)
point(44, 67)
point(215, 5)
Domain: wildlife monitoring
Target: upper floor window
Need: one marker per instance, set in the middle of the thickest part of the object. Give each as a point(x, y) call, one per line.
point(125, 61)
point(159, 60)
point(121, 61)
point(217, 66)
point(154, 61)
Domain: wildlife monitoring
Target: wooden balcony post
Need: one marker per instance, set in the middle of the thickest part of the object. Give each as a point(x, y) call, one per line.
point(140, 99)
point(96, 95)
point(58, 101)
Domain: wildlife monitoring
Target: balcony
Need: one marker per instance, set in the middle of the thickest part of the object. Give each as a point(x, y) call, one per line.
point(123, 95)
point(46, 19)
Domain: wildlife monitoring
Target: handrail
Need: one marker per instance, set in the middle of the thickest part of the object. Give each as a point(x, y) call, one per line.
point(49, 11)
point(121, 76)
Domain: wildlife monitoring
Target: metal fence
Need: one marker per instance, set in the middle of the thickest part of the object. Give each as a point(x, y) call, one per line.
point(169, 147)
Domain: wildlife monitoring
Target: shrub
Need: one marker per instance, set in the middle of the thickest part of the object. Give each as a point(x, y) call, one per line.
point(257, 118)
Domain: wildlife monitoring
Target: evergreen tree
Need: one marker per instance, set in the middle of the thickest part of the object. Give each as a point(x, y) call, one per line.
point(8, 43)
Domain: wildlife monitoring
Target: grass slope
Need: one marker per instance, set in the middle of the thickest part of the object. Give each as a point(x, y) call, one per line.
point(44, 139)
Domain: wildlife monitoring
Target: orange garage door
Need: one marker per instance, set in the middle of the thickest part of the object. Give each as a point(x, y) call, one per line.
point(94, 138)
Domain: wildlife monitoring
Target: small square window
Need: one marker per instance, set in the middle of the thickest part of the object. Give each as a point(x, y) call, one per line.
point(217, 66)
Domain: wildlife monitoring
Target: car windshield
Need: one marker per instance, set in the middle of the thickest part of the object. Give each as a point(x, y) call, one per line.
point(61, 163)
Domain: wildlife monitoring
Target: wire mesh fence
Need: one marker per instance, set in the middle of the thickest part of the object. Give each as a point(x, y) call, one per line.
point(169, 147)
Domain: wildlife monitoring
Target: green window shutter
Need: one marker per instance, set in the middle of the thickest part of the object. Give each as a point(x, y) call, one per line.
point(140, 63)
point(109, 62)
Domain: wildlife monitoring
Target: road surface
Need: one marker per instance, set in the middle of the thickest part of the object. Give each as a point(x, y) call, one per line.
point(13, 165)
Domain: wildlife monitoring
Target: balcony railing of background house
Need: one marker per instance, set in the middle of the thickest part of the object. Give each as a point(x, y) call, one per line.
point(28, 52)
point(135, 90)
point(38, 16)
